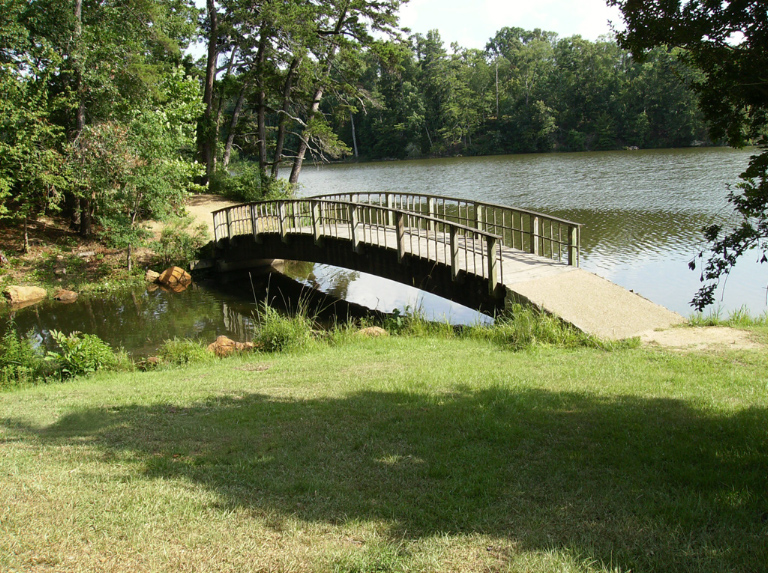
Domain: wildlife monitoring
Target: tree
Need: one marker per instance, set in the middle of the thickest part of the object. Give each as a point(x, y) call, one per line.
point(32, 165)
point(727, 40)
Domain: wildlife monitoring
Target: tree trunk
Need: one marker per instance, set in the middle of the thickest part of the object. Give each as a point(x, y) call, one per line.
point(217, 121)
point(303, 144)
point(206, 144)
point(354, 136)
point(84, 203)
point(261, 96)
point(26, 235)
point(233, 125)
point(280, 141)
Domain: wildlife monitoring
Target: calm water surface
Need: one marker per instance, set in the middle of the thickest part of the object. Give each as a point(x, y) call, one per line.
point(642, 213)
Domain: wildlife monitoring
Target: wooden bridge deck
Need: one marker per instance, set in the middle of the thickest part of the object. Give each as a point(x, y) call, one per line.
point(589, 302)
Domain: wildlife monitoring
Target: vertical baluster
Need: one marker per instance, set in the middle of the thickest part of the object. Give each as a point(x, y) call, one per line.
point(493, 263)
point(573, 246)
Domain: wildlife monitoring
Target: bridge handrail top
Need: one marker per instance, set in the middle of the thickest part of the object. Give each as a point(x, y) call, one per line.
point(369, 206)
point(483, 203)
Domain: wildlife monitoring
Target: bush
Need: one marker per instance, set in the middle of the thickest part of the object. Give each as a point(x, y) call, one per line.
point(19, 361)
point(82, 354)
point(246, 182)
point(180, 241)
point(184, 351)
point(276, 332)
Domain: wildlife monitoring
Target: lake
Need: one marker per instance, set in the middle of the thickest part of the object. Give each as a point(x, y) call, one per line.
point(642, 214)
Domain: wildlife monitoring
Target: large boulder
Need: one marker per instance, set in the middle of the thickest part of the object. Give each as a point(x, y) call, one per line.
point(225, 346)
point(373, 332)
point(151, 276)
point(175, 277)
point(66, 296)
point(24, 295)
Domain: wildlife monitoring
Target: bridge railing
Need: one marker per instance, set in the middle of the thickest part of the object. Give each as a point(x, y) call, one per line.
point(528, 231)
point(461, 247)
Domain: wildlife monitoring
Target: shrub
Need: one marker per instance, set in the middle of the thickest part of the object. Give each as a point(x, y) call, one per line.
point(246, 182)
point(82, 354)
point(182, 351)
point(180, 241)
point(19, 361)
point(276, 332)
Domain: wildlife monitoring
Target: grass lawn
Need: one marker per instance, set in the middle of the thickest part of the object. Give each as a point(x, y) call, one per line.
point(395, 454)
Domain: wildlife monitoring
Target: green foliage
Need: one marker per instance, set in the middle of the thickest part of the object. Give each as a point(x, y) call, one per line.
point(525, 327)
point(244, 181)
point(180, 241)
point(728, 45)
point(81, 354)
point(184, 351)
point(276, 332)
point(19, 361)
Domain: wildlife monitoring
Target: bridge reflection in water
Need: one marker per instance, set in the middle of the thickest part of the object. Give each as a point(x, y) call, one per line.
point(477, 254)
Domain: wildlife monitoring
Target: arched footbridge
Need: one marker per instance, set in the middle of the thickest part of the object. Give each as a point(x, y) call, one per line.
point(478, 254)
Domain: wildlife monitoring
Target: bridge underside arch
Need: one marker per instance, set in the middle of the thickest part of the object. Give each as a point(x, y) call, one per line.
point(243, 252)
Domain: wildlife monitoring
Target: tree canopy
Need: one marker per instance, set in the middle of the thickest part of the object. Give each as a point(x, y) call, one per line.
point(727, 40)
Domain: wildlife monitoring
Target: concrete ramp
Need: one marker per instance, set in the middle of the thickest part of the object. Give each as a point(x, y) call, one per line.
point(593, 304)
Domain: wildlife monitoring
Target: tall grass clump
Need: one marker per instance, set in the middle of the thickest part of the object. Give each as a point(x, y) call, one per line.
point(413, 322)
point(524, 327)
point(183, 351)
point(276, 332)
point(739, 318)
point(20, 362)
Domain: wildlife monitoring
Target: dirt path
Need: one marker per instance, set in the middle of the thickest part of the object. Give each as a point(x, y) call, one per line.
point(201, 207)
point(700, 338)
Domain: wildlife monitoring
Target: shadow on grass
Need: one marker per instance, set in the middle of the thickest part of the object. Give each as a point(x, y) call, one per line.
point(633, 483)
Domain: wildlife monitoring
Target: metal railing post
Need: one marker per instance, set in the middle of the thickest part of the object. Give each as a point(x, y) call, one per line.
point(479, 217)
point(255, 224)
point(281, 214)
point(353, 227)
point(229, 224)
point(390, 205)
point(431, 212)
point(454, 253)
point(316, 222)
point(400, 236)
point(534, 235)
point(573, 246)
point(493, 263)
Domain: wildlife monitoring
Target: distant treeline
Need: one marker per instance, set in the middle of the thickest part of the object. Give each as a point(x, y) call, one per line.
point(528, 91)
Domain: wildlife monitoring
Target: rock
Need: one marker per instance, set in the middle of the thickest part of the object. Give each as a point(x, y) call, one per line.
point(174, 276)
point(151, 276)
point(24, 295)
point(65, 296)
point(60, 271)
point(373, 332)
point(86, 254)
point(3, 259)
point(225, 346)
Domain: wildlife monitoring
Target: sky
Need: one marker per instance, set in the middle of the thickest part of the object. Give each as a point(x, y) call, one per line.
point(472, 23)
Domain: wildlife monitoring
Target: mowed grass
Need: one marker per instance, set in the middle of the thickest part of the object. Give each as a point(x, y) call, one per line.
point(395, 454)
